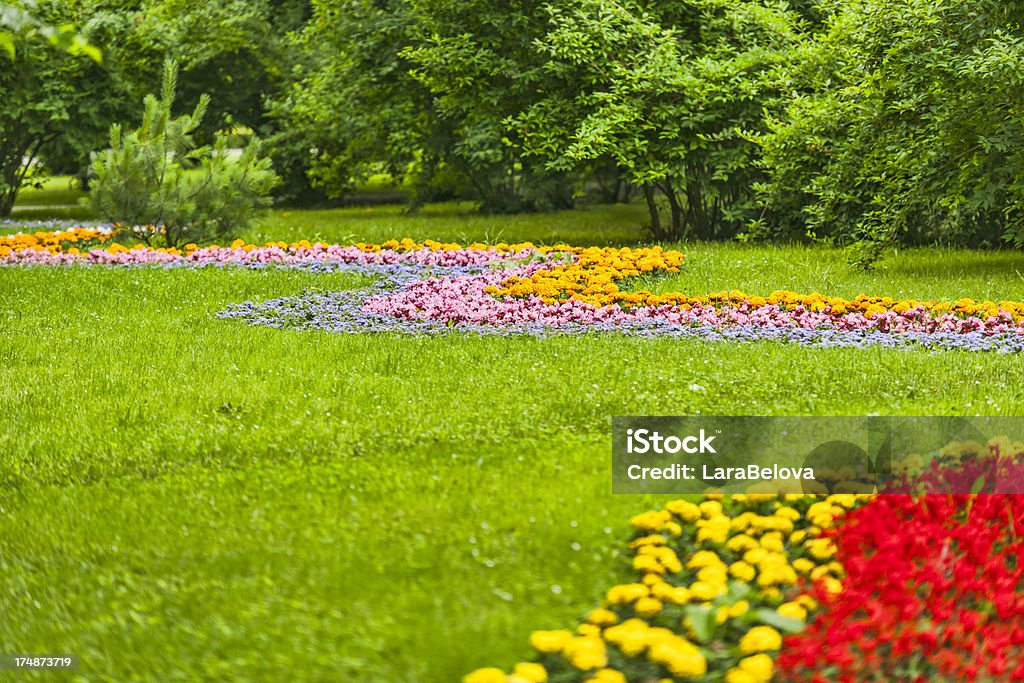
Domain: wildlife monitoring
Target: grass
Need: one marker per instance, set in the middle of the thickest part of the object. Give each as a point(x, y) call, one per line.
point(611, 224)
point(911, 273)
point(186, 498)
point(57, 197)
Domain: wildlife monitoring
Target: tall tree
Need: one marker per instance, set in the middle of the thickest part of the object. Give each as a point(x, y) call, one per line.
point(354, 110)
point(40, 86)
point(418, 90)
point(479, 60)
point(671, 92)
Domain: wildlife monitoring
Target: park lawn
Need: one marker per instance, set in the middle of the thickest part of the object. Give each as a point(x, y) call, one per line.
point(185, 498)
point(55, 197)
point(454, 221)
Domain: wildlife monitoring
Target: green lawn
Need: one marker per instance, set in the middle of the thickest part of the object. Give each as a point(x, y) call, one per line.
point(58, 197)
point(187, 498)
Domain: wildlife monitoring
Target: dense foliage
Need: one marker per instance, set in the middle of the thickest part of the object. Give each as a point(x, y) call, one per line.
point(58, 105)
point(45, 87)
point(354, 110)
point(852, 121)
point(908, 128)
point(666, 91)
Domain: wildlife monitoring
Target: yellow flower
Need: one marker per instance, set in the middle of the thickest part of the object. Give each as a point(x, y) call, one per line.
point(743, 521)
point(679, 595)
point(531, 671)
point(760, 639)
point(789, 513)
point(680, 657)
point(847, 500)
point(792, 609)
point(488, 675)
point(802, 565)
point(602, 617)
point(755, 556)
point(739, 609)
point(738, 676)
point(626, 593)
point(700, 590)
point(684, 509)
point(549, 642)
point(821, 548)
point(711, 509)
point(630, 636)
point(741, 543)
point(760, 667)
point(653, 539)
point(714, 575)
point(586, 653)
point(608, 676)
point(742, 571)
point(648, 607)
point(646, 563)
point(703, 558)
point(713, 530)
point(772, 542)
point(807, 601)
point(650, 521)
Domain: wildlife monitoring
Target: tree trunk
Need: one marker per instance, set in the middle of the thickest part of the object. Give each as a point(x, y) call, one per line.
point(697, 212)
point(678, 214)
point(652, 209)
point(13, 166)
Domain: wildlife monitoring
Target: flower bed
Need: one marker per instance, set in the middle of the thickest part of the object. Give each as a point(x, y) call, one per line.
point(718, 583)
point(933, 592)
point(433, 287)
point(761, 587)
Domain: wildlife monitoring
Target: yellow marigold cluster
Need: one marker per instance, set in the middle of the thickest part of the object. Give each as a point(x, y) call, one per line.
point(595, 278)
point(592, 276)
point(714, 574)
point(870, 306)
point(52, 241)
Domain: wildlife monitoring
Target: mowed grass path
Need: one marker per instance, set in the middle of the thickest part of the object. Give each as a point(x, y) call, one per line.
point(186, 498)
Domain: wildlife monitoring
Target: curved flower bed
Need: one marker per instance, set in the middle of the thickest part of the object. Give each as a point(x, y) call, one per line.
point(761, 587)
point(718, 584)
point(434, 287)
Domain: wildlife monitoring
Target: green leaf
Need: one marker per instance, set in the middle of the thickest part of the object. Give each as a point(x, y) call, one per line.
point(978, 485)
point(702, 619)
point(7, 43)
point(779, 621)
point(737, 591)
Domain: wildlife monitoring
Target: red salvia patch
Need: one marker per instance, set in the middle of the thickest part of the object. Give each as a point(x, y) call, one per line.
point(933, 592)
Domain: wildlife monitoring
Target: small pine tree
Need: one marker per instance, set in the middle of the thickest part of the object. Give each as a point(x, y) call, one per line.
point(157, 176)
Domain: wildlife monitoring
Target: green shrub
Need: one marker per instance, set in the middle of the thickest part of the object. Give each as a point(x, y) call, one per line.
point(157, 176)
point(906, 129)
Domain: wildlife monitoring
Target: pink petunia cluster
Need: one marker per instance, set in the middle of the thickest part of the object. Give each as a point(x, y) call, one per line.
point(463, 300)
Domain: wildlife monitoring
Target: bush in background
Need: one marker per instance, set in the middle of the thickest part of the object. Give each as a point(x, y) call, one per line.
point(905, 128)
point(157, 176)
